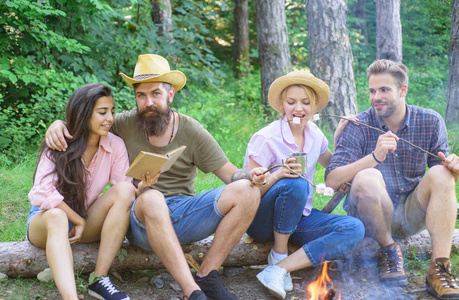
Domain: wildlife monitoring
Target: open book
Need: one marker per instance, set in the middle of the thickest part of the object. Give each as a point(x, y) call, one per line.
point(153, 162)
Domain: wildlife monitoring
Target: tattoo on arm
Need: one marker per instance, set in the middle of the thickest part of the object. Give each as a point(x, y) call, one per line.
point(240, 174)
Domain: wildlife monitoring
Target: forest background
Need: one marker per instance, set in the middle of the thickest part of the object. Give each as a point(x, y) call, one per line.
point(50, 48)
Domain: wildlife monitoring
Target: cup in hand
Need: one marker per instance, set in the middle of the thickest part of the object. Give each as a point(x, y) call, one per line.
point(301, 158)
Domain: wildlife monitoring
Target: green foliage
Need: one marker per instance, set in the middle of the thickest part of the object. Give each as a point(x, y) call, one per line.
point(50, 49)
point(296, 25)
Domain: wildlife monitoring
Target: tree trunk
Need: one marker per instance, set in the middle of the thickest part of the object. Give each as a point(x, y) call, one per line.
point(272, 37)
point(25, 260)
point(330, 54)
point(241, 38)
point(388, 30)
point(361, 14)
point(161, 14)
point(452, 103)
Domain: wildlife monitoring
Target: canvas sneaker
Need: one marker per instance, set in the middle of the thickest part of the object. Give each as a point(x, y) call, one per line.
point(196, 295)
point(103, 289)
point(440, 282)
point(391, 266)
point(288, 284)
point(272, 277)
point(213, 287)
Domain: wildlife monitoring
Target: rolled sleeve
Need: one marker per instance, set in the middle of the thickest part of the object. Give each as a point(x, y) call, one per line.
point(44, 194)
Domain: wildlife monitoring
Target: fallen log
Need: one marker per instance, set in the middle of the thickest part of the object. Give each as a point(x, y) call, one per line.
point(25, 260)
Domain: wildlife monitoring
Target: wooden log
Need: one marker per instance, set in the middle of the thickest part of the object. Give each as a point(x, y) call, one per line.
point(25, 260)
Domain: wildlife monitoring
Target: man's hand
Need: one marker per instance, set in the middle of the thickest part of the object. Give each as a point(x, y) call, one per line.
point(54, 137)
point(386, 142)
point(451, 162)
point(146, 181)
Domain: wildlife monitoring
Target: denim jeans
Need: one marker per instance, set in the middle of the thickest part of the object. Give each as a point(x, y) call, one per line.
point(193, 218)
point(322, 236)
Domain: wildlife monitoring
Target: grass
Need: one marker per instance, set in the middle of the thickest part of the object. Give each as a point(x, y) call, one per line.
point(16, 181)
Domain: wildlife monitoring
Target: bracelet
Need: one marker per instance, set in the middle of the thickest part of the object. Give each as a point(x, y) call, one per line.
point(374, 156)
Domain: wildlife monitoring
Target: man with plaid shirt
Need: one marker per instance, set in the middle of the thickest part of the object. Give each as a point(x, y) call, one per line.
point(391, 192)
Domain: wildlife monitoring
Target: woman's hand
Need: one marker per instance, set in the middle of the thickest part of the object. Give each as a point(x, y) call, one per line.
point(77, 231)
point(147, 181)
point(342, 123)
point(283, 172)
point(259, 177)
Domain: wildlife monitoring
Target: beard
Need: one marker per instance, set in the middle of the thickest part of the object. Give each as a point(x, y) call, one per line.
point(156, 123)
point(391, 107)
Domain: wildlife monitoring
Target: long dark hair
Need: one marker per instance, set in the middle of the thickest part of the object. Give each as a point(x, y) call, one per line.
point(69, 167)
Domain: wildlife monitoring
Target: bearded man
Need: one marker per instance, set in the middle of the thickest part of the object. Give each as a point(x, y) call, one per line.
point(392, 193)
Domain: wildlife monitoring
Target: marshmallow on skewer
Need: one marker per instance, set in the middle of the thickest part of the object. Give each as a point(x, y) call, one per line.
point(328, 191)
point(296, 120)
point(316, 117)
point(320, 188)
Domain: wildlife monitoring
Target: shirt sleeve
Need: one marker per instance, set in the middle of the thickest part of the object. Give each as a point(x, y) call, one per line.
point(260, 151)
point(439, 142)
point(208, 155)
point(120, 162)
point(44, 194)
point(348, 149)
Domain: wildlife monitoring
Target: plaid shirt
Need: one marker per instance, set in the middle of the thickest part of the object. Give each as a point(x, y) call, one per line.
point(402, 170)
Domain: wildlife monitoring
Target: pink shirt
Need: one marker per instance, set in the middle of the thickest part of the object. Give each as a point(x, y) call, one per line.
point(274, 143)
point(109, 164)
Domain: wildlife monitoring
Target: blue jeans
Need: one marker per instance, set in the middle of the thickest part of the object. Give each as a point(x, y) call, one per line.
point(322, 236)
point(193, 218)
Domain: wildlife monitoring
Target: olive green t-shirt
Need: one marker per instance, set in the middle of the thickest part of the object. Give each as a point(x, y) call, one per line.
point(202, 151)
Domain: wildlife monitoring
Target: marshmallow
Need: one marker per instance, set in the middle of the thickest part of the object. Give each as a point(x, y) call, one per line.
point(320, 188)
point(296, 120)
point(328, 191)
point(316, 117)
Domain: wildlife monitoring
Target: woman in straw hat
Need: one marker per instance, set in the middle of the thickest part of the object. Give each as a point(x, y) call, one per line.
point(285, 213)
point(67, 205)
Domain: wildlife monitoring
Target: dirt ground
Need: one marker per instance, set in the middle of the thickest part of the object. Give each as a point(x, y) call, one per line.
point(353, 281)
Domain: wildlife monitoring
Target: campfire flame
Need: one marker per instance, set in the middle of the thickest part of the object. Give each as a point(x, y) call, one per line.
point(317, 290)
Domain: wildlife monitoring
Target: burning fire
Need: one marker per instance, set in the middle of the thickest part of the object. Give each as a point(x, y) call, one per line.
point(317, 290)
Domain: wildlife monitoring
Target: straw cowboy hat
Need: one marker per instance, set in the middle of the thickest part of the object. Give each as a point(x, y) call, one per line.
point(155, 68)
point(298, 77)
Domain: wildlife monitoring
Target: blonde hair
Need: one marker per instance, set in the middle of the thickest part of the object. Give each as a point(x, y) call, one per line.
point(309, 92)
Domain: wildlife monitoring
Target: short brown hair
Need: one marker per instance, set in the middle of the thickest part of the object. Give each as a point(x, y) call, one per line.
point(398, 70)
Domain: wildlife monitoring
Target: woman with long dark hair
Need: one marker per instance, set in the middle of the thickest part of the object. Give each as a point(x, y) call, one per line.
point(67, 204)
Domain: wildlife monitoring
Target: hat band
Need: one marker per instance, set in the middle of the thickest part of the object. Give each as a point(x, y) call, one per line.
point(145, 76)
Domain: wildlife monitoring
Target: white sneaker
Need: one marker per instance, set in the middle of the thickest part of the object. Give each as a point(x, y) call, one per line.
point(288, 284)
point(272, 277)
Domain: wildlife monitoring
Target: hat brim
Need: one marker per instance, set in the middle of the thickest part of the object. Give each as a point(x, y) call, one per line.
point(176, 78)
point(321, 89)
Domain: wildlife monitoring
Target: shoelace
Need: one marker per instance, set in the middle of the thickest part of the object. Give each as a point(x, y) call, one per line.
point(392, 260)
point(448, 277)
point(109, 285)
